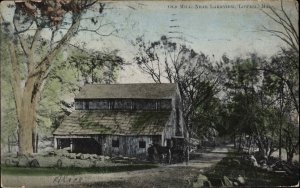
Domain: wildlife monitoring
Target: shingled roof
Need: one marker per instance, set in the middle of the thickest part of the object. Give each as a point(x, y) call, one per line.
point(114, 122)
point(133, 91)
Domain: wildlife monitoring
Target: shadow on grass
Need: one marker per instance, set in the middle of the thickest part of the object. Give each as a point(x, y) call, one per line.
point(22, 171)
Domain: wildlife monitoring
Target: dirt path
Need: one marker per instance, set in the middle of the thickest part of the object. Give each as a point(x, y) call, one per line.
point(177, 175)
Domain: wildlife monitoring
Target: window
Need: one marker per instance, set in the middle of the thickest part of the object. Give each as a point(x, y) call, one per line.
point(115, 143)
point(122, 104)
point(142, 144)
point(103, 105)
point(156, 139)
point(78, 105)
point(99, 105)
point(86, 105)
point(144, 104)
point(92, 104)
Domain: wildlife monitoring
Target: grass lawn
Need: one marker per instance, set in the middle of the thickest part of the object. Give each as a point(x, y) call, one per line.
point(22, 171)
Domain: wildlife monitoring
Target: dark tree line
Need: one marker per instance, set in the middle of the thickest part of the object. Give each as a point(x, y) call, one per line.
point(253, 99)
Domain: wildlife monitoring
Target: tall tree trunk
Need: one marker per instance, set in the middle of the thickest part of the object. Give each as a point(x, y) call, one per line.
point(240, 143)
point(27, 119)
point(36, 142)
point(27, 97)
point(8, 143)
point(280, 139)
point(290, 157)
point(281, 119)
point(234, 142)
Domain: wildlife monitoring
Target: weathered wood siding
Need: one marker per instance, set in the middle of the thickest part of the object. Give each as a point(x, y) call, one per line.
point(179, 121)
point(128, 145)
point(175, 124)
point(123, 104)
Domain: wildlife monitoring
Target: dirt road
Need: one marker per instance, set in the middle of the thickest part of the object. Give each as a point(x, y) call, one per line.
point(177, 175)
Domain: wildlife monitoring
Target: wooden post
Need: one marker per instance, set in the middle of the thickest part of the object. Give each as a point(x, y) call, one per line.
point(187, 152)
point(71, 144)
point(55, 143)
point(8, 143)
point(36, 143)
point(33, 141)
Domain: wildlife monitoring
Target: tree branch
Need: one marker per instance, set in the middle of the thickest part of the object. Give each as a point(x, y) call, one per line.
point(23, 43)
point(32, 49)
point(16, 78)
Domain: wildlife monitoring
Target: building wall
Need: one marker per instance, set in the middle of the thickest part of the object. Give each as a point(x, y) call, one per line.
point(128, 145)
point(123, 104)
point(175, 124)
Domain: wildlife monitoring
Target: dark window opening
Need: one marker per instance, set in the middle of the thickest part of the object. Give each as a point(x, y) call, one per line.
point(122, 104)
point(86, 145)
point(115, 143)
point(155, 140)
point(169, 143)
point(86, 105)
point(142, 144)
point(63, 143)
point(111, 104)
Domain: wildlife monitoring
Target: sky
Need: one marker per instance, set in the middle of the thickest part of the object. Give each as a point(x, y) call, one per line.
point(212, 27)
point(232, 29)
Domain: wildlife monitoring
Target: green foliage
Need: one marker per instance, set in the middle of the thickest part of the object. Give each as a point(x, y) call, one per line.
point(64, 81)
point(248, 112)
point(194, 73)
point(9, 120)
point(96, 67)
point(207, 121)
point(261, 98)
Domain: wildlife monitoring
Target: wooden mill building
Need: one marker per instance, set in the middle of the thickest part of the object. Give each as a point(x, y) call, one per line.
point(122, 119)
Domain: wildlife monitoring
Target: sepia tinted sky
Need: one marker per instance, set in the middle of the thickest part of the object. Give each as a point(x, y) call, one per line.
point(234, 31)
point(212, 27)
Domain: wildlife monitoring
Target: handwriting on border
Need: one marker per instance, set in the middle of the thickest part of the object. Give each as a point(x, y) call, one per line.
point(67, 180)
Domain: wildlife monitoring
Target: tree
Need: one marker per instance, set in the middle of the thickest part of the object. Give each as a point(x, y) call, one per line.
point(281, 83)
point(8, 112)
point(96, 67)
point(167, 61)
point(288, 58)
point(287, 62)
point(251, 114)
point(288, 32)
point(62, 19)
point(66, 79)
point(260, 103)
